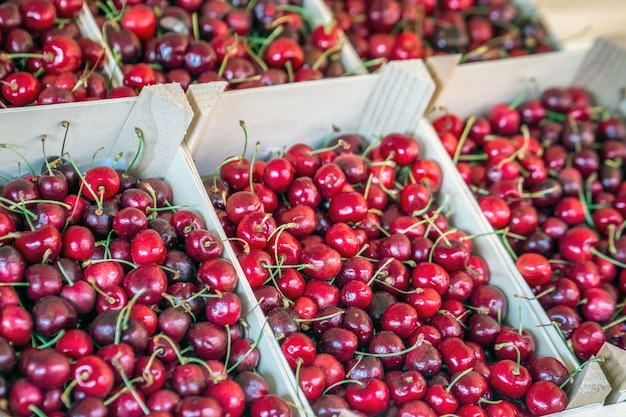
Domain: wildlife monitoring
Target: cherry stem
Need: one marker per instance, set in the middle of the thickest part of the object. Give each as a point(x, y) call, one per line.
point(306, 14)
point(228, 343)
point(353, 367)
point(97, 198)
point(442, 236)
point(320, 318)
point(417, 290)
point(499, 346)
point(329, 52)
point(18, 153)
point(612, 234)
point(345, 381)
point(129, 384)
point(579, 369)
point(224, 162)
point(194, 25)
point(242, 124)
point(11, 206)
point(469, 158)
point(140, 142)
point(599, 254)
point(52, 341)
point(98, 261)
point(585, 204)
point(246, 245)
point(380, 270)
point(145, 374)
point(518, 100)
point(297, 374)
point(507, 246)
point(257, 146)
point(43, 151)
point(270, 38)
point(66, 393)
point(14, 284)
point(389, 355)
point(340, 144)
point(252, 347)
point(255, 56)
point(483, 400)
point(181, 359)
point(36, 410)
point(536, 297)
point(289, 68)
point(368, 185)
point(468, 126)
point(457, 378)
point(614, 323)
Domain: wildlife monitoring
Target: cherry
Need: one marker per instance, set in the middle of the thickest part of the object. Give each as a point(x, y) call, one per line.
point(510, 379)
point(298, 347)
point(208, 340)
point(406, 386)
point(370, 397)
point(328, 405)
point(22, 396)
point(587, 339)
point(93, 376)
point(534, 268)
point(544, 397)
point(20, 88)
point(322, 262)
point(229, 395)
point(270, 405)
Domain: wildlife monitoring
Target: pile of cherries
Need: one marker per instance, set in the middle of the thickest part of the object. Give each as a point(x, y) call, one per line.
point(115, 303)
point(44, 58)
point(385, 30)
point(247, 43)
point(548, 174)
point(379, 305)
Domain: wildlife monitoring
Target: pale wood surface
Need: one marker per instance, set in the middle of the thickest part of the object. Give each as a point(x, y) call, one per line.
point(201, 97)
point(576, 23)
point(590, 387)
point(614, 367)
point(163, 114)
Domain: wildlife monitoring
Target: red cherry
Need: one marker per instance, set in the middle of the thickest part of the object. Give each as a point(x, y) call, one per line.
point(141, 20)
point(370, 397)
point(147, 247)
point(93, 376)
point(283, 53)
point(78, 243)
point(534, 268)
point(61, 54)
point(544, 398)
point(20, 88)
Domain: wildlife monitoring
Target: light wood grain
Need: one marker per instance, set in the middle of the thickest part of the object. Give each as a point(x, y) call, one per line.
point(577, 23)
point(163, 114)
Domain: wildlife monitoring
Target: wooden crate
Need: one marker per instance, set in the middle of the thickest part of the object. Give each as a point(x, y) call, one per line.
point(371, 105)
point(474, 88)
point(163, 113)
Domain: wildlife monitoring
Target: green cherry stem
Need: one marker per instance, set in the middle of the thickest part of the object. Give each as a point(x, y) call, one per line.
point(468, 126)
point(457, 378)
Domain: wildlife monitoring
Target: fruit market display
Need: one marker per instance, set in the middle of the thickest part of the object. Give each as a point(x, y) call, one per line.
point(378, 303)
point(548, 175)
point(248, 44)
point(45, 59)
point(383, 30)
point(115, 302)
